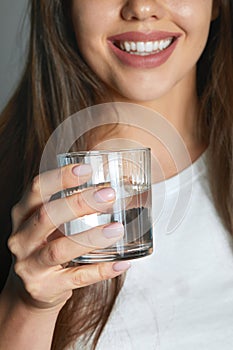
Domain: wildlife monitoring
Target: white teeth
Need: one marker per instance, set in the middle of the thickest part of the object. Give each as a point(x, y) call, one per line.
point(167, 42)
point(133, 46)
point(127, 46)
point(145, 48)
point(161, 45)
point(140, 46)
point(149, 46)
point(156, 45)
point(122, 46)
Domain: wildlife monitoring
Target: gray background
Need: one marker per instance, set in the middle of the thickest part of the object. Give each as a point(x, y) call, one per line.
point(13, 39)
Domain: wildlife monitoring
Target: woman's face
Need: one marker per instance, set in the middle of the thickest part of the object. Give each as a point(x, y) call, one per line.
point(142, 49)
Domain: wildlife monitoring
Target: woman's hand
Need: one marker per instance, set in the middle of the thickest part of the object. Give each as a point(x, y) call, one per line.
point(40, 250)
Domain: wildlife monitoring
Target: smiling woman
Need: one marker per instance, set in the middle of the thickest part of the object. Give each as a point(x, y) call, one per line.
point(174, 57)
point(183, 24)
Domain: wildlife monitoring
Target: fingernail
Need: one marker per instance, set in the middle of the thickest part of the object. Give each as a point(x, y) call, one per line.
point(121, 266)
point(82, 170)
point(104, 195)
point(115, 229)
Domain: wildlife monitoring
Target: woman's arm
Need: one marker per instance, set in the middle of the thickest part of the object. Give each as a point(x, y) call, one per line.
point(38, 285)
point(22, 326)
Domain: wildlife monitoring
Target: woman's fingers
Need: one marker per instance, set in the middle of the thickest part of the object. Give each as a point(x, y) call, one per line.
point(51, 215)
point(39, 247)
point(52, 286)
point(82, 276)
point(45, 185)
point(64, 249)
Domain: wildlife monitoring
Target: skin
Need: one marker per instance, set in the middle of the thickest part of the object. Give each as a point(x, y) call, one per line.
point(176, 77)
point(38, 286)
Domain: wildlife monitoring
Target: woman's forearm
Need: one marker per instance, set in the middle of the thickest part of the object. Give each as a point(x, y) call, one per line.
point(22, 326)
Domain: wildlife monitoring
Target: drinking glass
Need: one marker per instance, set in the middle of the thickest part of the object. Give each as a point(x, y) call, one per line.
point(128, 172)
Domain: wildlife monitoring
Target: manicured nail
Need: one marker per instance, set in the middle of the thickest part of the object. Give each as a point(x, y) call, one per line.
point(104, 195)
point(121, 266)
point(115, 229)
point(82, 170)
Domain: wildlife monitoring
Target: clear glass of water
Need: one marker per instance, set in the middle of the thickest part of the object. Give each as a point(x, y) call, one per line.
point(128, 172)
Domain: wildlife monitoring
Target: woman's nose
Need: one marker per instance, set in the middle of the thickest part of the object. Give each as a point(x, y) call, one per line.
point(141, 10)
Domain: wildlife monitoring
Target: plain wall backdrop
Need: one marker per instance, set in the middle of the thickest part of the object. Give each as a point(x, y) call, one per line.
point(12, 45)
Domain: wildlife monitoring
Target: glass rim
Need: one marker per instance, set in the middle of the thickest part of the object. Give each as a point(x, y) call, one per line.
point(102, 152)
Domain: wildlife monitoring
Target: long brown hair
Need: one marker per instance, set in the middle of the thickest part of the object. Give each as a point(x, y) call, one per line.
point(55, 84)
point(215, 120)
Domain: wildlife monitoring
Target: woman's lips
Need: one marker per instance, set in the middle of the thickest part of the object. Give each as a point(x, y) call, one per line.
point(143, 50)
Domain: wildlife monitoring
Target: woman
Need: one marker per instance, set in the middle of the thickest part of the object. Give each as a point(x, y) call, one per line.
point(86, 52)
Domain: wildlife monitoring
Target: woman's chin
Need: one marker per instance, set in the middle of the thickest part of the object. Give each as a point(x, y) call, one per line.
point(138, 95)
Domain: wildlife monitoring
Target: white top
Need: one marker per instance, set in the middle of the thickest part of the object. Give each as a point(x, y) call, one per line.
point(180, 297)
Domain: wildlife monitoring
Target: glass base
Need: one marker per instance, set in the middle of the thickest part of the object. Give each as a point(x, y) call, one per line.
point(109, 254)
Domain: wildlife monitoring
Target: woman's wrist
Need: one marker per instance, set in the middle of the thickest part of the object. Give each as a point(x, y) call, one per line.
point(15, 297)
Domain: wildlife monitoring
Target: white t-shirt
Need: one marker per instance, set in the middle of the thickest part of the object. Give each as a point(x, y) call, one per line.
point(180, 297)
